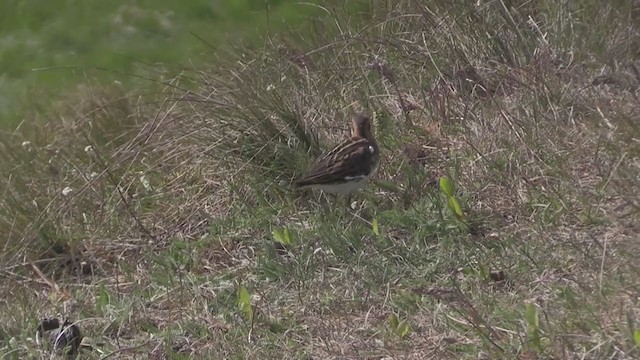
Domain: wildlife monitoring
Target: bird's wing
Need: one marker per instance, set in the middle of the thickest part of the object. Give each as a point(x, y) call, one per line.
point(353, 159)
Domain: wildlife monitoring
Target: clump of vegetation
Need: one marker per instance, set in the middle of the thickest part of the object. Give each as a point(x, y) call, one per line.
point(154, 218)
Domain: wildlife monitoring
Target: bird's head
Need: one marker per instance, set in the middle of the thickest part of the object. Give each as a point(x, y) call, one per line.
point(361, 127)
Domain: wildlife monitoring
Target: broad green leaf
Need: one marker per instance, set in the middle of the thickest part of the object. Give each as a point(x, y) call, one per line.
point(282, 236)
point(454, 205)
point(287, 236)
point(103, 298)
point(374, 227)
point(532, 318)
point(244, 303)
point(392, 320)
point(278, 235)
point(636, 337)
point(446, 186)
point(403, 329)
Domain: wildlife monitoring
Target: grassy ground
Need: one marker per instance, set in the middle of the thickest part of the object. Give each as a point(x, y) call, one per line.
point(165, 224)
point(48, 48)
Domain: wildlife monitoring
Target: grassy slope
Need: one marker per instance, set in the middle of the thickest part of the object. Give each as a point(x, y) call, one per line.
point(74, 42)
point(175, 199)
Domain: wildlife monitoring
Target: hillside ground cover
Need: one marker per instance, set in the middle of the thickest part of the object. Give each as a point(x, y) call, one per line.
point(502, 223)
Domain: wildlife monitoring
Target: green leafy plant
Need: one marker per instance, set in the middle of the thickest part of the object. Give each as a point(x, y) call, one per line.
point(533, 325)
point(283, 236)
point(103, 299)
point(399, 327)
point(447, 188)
point(374, 227)
point(244, 303)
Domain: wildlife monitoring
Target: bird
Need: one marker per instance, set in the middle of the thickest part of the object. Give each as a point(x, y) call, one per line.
point(61, 335)
point(349, 165)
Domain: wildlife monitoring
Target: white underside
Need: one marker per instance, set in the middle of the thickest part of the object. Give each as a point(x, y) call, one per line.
point(343, 188)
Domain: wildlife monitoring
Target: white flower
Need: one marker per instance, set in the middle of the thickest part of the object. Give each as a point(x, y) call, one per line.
point(26, 144)
point(88, 149)
point(66, 191)
point(270, 87)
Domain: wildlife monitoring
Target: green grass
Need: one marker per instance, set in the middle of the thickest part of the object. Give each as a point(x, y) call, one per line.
point(49, 48)
point(166, 226)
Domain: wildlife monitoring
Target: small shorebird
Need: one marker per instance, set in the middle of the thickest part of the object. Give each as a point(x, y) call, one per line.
point(349, 165)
